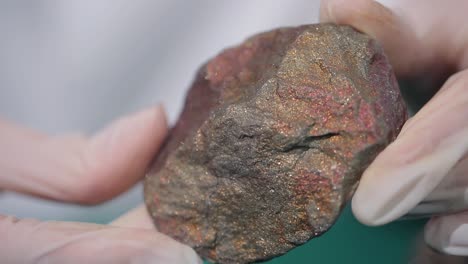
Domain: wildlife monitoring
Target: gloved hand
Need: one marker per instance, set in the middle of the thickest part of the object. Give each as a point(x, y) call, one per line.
point(86, 171)
point(428, 162)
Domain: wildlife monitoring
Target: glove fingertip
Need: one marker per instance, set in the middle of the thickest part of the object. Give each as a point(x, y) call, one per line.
point(448, 234)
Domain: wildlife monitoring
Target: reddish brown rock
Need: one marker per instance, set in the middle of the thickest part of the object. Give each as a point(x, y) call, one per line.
point(272, 142)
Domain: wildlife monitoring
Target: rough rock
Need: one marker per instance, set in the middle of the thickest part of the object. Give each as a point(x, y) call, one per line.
point(272, 141)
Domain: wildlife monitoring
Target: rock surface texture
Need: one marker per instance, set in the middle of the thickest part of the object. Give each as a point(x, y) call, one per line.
point(272, 141)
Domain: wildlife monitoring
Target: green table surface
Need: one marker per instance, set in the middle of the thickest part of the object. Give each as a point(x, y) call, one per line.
point(348, 241)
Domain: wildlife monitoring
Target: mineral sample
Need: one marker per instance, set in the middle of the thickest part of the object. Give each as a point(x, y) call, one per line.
point(272, 142)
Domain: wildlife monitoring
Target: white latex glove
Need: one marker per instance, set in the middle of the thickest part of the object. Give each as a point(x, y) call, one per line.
point(428, 162)
point(86, 171)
